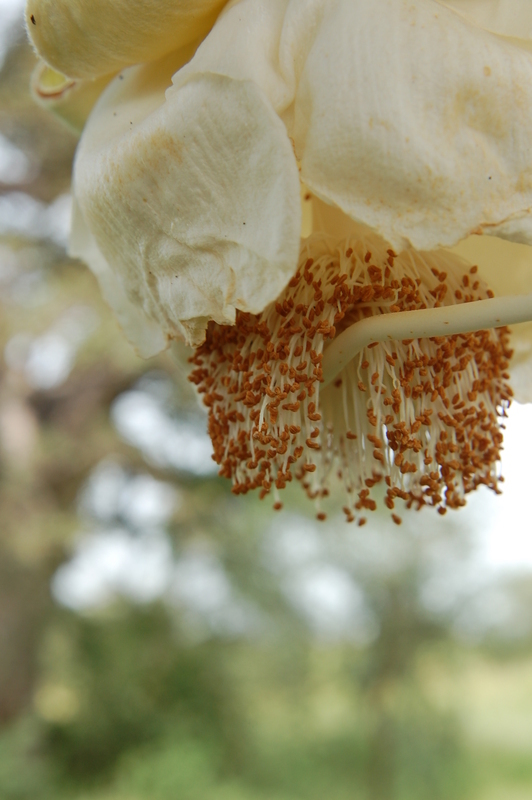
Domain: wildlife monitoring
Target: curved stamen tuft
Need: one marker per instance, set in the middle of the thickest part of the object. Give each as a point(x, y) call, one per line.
point(420, 415)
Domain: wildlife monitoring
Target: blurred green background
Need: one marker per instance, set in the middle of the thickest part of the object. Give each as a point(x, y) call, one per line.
point(163, 640)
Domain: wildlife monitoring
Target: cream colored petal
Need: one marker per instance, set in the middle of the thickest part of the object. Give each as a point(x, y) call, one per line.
point(405, 116)
point(411, 120)
point(506, 266)
point(507, 269)
point(521, 363)
point(87, 38)
point(70, 100)
point(193, 200)
point(511, 18)
point(145, 335)
point(245, 45)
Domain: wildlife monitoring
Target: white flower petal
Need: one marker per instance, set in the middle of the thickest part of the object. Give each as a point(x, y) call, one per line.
point(413, 121)
point(86, 38)
point(144, 334)
point(406, 116)
point(192, 200)
point(244, 45)
point(506, 17)
point(521, 363)
point(505, 266)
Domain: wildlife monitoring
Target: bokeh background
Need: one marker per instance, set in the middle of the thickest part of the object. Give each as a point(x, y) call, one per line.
point(161, 639)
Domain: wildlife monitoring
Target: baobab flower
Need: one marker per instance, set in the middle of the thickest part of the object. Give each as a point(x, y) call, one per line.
point(280, 186)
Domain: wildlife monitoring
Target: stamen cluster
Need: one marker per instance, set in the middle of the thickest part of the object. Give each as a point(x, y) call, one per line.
point(422, 415)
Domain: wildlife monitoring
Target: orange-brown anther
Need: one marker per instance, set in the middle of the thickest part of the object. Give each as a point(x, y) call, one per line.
point(432, 427)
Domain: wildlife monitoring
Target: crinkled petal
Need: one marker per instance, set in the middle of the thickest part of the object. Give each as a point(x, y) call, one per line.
point(406, 116)
point(511, 18)
point(87, 38)
point(192, 199)
point(414, 122)
point(145, 335)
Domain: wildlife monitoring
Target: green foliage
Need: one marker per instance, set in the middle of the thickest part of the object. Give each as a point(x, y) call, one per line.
point(135, 681)
point(175, 769)
point(24, 772)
